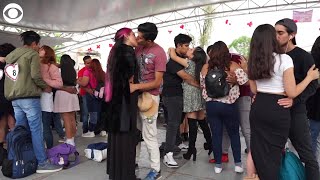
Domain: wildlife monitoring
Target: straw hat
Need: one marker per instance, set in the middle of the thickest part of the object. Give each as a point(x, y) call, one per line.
point(147, 106)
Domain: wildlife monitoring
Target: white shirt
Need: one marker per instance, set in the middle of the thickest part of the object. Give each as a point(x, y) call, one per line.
point(275, 84)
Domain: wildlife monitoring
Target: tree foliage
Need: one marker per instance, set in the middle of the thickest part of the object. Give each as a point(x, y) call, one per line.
point(241, 45)
point(204, 27)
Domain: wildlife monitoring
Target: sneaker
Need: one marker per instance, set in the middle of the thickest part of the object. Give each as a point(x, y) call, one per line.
point(153, 175)
point(224, 159)
point(47, 167)
point(169, 161)
point(62, 140)
point(88, 134)
point(217, 170)
point(103, 133)
point(238, 169)
point(183, 147)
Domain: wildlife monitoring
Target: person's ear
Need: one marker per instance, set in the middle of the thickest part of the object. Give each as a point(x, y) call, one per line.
point(290, 37)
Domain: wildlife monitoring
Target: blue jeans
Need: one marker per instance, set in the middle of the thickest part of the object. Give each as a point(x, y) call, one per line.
point(47, 132)
point(28, 113)
point(314, 130)
point(58, 125)
point(219, 114)
point(84, 115)
point(93, 120)
point(47, 118)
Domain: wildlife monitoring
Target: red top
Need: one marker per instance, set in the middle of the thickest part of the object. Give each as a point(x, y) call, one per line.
point(80, 74)
point(244, 89)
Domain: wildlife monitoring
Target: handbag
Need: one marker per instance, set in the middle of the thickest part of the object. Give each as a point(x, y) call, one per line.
point(96, 151)
point(291, 167)
point(60, 155)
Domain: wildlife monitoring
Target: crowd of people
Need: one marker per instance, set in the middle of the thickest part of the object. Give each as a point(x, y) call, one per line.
point(36, 91)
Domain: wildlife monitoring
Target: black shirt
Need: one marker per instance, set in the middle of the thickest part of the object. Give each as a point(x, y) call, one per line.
point(302, 61)
point(5, 105)
point(172, 83)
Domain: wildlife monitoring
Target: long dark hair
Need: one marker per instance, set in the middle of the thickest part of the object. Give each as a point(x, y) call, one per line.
point(219, 56)
point(261, 59)
point(97, 71)
point(68, 73)
point(112, 59)
point(199, 57)
point(315, 52)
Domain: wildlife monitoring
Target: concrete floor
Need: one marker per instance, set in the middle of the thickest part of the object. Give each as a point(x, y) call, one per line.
point(188, 170)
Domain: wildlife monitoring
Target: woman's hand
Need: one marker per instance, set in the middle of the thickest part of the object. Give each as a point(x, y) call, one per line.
point(313, 73)
point(172, 52)
point(71, 90)
point(133, 87)
point(243, 63)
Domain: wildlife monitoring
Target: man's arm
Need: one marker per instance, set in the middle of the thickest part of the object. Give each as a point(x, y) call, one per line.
point(311, 88)
point(35, 72)
point(188, 78)
point(149, 85)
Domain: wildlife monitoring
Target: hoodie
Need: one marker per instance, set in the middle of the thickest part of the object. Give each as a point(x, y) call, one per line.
point(23, 77)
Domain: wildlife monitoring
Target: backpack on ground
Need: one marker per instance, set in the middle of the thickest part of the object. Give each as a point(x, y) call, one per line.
point(21, 161)
point(291, 167)
point(96, 151)
point(216, 83)
point(59, 155)
point(3, 155)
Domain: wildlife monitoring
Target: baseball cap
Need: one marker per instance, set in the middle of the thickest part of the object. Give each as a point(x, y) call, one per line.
point(290, 25)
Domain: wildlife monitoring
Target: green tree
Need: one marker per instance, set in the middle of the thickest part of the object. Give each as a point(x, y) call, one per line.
point(58, 55)
point(241, 45)
point(204, 27)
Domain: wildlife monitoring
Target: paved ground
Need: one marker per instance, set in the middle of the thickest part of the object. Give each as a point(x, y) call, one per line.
point(188, 170)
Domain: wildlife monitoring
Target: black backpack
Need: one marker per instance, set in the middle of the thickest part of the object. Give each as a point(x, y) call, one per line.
point(216, 83)
point(21, 161)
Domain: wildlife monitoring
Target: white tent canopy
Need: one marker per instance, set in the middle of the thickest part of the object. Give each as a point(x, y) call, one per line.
point(91, 21)
point(85, 15)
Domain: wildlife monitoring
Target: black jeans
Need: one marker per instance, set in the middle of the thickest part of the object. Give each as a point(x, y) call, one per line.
point(174, 106)
point(301, 140)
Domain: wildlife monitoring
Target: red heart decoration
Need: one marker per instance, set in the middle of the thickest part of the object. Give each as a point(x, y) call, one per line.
point(152, 1)
point(170, 31)
point(98, 46)
point(89, 49)
point(249, 23)
point(110, 45)
point(227, 21)
point(182, 26)
point(295, 20)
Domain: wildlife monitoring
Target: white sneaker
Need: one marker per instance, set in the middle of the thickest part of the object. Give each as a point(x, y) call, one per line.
point(217, 170)
point(169, 161)
point(103, 133)
point(238, 169)
point(88, 134)
point(62, 140)
point(183, 147)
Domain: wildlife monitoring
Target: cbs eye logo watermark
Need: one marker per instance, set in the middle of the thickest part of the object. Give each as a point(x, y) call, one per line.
point(12, 13)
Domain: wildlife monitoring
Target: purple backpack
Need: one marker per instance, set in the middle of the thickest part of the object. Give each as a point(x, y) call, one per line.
point(59, 155)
